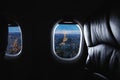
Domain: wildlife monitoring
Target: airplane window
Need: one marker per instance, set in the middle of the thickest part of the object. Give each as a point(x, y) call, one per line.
point(14, 46)
point(66, 40)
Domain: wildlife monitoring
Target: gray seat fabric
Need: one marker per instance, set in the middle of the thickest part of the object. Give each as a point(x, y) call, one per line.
point(102, 37)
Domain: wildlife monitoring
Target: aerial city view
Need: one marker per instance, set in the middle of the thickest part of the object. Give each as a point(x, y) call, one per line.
point(14, 40)
point(67, 40)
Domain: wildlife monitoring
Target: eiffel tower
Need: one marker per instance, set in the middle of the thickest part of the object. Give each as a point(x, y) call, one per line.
point(64, 39)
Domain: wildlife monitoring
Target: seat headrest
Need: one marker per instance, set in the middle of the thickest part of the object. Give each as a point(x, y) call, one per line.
point(103, 30)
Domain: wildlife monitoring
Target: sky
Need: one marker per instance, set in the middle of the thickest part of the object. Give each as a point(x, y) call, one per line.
point(68, 29)
point(13, 29)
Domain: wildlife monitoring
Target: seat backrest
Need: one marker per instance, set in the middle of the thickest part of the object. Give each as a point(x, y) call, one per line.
point(102, 36)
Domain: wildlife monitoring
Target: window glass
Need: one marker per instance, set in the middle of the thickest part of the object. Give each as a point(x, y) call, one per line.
point(66, 40)
point(14, 46)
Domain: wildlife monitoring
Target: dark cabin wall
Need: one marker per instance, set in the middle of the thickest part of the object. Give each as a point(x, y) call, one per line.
point(37, 19)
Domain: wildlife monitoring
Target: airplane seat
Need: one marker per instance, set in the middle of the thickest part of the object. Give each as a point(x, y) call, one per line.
point(102, 37)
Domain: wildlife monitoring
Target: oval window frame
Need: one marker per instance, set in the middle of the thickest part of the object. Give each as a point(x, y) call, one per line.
point(12, 56)
point(81, 45)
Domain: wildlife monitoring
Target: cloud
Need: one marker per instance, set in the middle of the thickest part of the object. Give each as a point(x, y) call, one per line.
point(67, 31)
point(14, 29)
